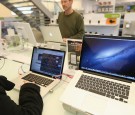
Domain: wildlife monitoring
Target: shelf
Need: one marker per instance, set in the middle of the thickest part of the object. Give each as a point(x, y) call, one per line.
point(104, 11)
point(111, 25)
point(105, 5)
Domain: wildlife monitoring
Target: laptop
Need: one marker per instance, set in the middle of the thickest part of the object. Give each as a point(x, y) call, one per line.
point(52, 34)
point(105, 81)
point(52, 37)
point(45, 69)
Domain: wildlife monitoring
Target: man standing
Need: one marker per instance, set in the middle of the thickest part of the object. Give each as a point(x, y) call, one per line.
point(70, 22)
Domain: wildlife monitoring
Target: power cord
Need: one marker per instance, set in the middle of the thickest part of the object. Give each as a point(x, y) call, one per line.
point(21, 69)
point(1, 57)
point(58, 77)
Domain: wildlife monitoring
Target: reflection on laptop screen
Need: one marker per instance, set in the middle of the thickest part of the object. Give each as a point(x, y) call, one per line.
point(47, 61)
point(109, 55)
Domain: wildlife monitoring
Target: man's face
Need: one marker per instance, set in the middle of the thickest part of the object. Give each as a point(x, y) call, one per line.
point(66, 4)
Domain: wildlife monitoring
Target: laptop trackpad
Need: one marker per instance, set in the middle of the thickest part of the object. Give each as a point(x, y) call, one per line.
point(94, 105)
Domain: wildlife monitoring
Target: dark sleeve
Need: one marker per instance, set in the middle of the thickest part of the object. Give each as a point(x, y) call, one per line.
point(30, 99)
point(59, 17)
point(7, 106)
point(80, 28)
point(30, 102)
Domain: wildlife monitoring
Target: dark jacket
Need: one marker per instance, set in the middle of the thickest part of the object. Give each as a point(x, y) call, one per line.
point(30, 101)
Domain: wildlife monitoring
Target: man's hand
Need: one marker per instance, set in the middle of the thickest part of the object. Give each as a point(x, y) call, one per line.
point(7, 85)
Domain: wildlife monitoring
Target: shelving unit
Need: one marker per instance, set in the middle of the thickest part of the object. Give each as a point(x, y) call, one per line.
point(103, 25)
point(104, 8)
point(119, 8)
point(40, 18)
point(125, 6)
point(98, 24)
point(129, 25)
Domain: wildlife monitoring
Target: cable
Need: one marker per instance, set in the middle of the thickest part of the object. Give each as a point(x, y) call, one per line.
point(57, 77)
point(69, 76)
point(20, 73)
point(21, 67)
point(3, 62)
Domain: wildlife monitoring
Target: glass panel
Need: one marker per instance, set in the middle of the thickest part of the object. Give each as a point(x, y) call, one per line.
point(27, 12)
point(23, 4)
point(14, 1)
point(24, 8)
point(52, 6)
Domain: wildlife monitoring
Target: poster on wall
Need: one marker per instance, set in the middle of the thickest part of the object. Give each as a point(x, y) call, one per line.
point(112, 18)
point(74, 52)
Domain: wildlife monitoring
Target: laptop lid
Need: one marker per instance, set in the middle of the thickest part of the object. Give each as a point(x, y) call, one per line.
point(51, 34)
point(109, 55)
point(47, 62)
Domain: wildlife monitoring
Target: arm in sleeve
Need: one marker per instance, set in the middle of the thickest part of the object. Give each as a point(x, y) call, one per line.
point(30, 102)
point(30, 99)
point(80, 28)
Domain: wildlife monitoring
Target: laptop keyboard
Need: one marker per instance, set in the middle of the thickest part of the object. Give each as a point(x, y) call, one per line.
point(106, 88)
point(38, 79)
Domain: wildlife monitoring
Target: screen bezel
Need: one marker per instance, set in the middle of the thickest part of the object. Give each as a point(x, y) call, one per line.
point(99, 73)
point(46, 75)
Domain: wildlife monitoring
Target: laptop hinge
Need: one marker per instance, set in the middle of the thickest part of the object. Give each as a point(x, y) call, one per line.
point(109, 76)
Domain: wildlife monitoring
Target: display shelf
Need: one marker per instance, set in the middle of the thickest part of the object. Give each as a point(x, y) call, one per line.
point(104, 12)
point(102, 24)
point(110, 25)
point(104, 5)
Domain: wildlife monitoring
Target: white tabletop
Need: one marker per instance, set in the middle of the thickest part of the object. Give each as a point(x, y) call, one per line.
point(52, 105)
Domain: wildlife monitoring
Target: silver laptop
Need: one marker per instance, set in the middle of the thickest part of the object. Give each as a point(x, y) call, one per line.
point(105, 81)
point(51, 34)
point(45, 70)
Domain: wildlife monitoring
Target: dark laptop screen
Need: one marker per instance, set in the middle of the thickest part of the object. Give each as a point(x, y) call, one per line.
point(109, 55)
point(47, 62)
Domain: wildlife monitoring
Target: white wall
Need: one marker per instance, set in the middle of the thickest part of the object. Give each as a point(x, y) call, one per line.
point(4, 12)
point(77, 4)
point(88, 5)
point(0, 29)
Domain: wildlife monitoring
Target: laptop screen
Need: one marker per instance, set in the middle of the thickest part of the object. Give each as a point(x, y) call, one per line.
point(48, 62)
point(109, 55)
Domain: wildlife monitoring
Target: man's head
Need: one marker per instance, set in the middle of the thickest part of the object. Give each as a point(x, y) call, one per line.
point(66, 4)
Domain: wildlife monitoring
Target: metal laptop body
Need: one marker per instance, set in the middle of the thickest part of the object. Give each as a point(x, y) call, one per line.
point(51, 34)
point(46, 63)
point(107, 59)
